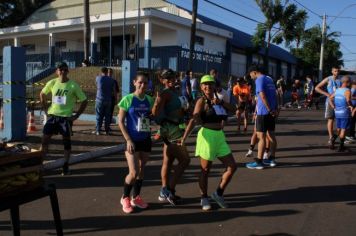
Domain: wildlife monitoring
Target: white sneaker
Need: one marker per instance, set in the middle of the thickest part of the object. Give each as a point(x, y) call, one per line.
point(265, 155)
point(205, 204)
point(249, 153)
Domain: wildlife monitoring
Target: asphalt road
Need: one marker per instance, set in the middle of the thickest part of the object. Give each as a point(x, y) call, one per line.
point(312, 191)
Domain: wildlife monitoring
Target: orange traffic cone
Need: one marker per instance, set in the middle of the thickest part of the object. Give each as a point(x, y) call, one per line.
point(31, 122)
point(2, 119)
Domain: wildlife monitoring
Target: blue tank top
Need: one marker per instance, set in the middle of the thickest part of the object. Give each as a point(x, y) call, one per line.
point(333, 85)
point(341, 108)
point(353, 94)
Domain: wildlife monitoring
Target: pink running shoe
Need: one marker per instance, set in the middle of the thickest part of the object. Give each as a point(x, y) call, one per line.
point(138, 202)
point(126, 205)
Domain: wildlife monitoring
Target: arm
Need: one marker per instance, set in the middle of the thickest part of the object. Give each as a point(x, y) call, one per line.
point(159, 104)
point(194, 120)
point(331, 101)
point(348, 99)
point(130, 148)
point(319, 87)
point(82, 107)
point(43, 102)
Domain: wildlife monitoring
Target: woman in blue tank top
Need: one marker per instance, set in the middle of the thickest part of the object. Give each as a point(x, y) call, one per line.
point(135, 109)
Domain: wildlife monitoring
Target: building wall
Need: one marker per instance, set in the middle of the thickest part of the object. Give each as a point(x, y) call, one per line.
point(238, 64)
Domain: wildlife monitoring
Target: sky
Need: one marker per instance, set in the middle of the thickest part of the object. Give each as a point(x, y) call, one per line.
point(345, 23)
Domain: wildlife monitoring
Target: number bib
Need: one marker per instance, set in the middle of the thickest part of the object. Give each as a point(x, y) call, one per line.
point(143, 124)
point(60, 100)
point(219, 110)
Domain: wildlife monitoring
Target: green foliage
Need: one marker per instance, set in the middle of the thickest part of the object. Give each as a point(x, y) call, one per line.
point(14, 12)
point(309, 52)
point(284, 22)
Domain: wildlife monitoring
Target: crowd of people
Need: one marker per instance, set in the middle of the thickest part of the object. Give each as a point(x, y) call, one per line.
point(179, 107)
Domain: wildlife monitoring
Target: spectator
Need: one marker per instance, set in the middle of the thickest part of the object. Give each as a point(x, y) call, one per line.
point(194, 84)
point(105, 90)
point(113, 96)
point(186, 86)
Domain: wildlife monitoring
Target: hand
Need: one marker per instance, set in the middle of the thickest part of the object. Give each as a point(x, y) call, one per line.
point(273, 113)
point(216, 101)
point(181, 142)
point(130, 147)
point(73, 118)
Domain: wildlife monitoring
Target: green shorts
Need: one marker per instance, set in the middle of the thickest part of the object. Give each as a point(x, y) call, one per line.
point(211, 144)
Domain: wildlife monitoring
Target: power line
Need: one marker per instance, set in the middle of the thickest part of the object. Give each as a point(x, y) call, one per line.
point(342, 17)
point(348, 35)
point(236, 13)
point(308, 9)
point(347, 49)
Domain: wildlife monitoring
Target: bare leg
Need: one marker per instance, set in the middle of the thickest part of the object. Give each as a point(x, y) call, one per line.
point(261, 144)
point(330, 126)
point(181, 154)
point(230, 165)
point(271, 137)
point(203, 178)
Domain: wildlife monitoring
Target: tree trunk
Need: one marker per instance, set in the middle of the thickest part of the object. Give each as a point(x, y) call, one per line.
point(192, 33)
point(86, 29)
point(265, 58)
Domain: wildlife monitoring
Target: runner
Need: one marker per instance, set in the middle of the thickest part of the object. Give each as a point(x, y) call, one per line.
point(332, 82)
point(340, 101)
point(351, 137)
point(195, 83)
point(308, 93)
point(211, 143)
point(243, 95)
point(267, 111)
point(281, 88)
point(135, 109)
point(170, 116)
point(65, 93)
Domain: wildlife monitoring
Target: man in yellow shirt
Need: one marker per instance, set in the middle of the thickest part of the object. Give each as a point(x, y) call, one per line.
point(65, 93)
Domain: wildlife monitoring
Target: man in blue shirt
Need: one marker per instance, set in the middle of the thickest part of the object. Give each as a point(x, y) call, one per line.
point(186, 86)
point(105, 88)
point(266, 111)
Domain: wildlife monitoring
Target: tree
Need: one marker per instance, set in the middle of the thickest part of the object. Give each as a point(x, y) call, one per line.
point(283, 23)
point(308, 53)
point(86, 29)
point(14, 12)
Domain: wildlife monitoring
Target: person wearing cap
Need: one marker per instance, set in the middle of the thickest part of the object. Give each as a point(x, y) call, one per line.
point(340, 101)
point(211, 143)
point(243, 94)
point(266, 114)
point(65, 93)
point(168, 111)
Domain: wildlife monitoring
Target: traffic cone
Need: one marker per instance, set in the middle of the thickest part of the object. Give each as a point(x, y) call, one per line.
point(2, 119)
point(31, 122)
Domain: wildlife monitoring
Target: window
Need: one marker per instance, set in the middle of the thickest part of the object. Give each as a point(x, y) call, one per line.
point(29, 47)
point(199, 40)
point(61, 44)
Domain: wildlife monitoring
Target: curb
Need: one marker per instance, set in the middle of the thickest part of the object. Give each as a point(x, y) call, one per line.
point(85, 156)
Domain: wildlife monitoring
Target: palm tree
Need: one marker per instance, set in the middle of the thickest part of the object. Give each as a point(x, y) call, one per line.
point(86, 29)
point(282, 24)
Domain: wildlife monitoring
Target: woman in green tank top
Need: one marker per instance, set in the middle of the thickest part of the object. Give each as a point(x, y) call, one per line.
point(169, 113)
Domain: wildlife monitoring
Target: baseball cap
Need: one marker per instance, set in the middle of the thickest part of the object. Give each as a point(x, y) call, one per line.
point(207, 79)
point(62, 65)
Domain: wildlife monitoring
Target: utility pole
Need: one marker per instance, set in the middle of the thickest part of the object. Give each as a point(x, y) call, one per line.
point(192, 33)
point(110, 40)
point(323, 34)
point(86, 29)
point(123, 34)
point(138, 34)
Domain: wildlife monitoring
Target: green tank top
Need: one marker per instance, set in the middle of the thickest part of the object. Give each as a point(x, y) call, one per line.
point(173, 109)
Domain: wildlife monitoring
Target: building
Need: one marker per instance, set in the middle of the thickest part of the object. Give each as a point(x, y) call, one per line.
point(55, 32)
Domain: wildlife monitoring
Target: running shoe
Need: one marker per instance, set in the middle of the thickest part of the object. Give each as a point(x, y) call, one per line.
point(219, 200)
point(138, 202)
point(126, 205)
point(270, 163)
point(65, 170)
point(254, 165)
point(205, 204)
point(349, 138)
point(249, 153)
point(165, 194)
point(341, 149)
point(265, 155)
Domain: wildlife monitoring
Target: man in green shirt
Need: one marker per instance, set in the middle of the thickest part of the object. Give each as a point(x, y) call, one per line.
point(65, 93)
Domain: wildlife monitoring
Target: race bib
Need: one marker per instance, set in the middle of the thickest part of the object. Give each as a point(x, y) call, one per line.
point(219, 110)
point(60, 100)
point(143, 124)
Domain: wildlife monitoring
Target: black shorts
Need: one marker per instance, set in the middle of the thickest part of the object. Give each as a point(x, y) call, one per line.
point(58, 125)
point(242, 106)
point(265, 123)
point(144, 145)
